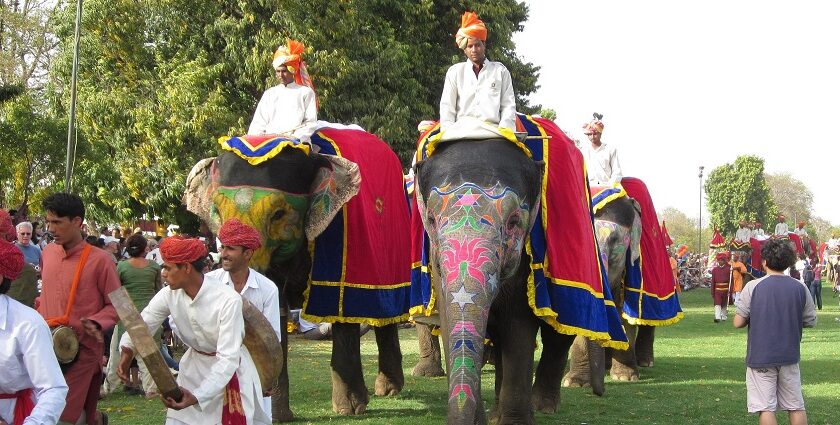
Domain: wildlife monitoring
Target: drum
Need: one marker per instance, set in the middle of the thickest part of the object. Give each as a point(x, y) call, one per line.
point(65, 344)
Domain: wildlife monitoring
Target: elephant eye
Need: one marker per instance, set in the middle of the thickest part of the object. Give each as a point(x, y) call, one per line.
point(514, 221)
point(278, 214)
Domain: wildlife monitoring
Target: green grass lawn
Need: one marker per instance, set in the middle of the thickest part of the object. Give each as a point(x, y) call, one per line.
point(698, 378)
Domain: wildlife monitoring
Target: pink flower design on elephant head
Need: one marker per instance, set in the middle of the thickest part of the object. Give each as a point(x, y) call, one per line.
point(465, 258)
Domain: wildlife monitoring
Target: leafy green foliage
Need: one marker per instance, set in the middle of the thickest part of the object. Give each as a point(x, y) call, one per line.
point(739, 192)
point(683, 230)
point(160, 81)
point(792, 198)
point(32, 146)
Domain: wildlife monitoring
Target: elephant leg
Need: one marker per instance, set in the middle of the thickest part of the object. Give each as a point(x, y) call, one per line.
point(430, 359)
point(390, 379)
point(516, 347)
point(578, 375)
point(545, 395)
point(280, 410)
point(644, 345)
point(624, 367)
point(349, 394)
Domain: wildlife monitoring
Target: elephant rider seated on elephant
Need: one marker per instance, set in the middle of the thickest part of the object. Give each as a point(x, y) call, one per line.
point(758, 233)
point(781, 229)
point(602, 166)
point(477, 88)
point(743, 234)
point(289, 108)
point(800, 230)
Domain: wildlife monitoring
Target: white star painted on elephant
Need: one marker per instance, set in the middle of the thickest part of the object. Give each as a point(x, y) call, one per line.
point(492, 281)
point(462, 297)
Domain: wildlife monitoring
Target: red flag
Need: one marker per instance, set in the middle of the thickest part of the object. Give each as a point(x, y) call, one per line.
point(666, 236)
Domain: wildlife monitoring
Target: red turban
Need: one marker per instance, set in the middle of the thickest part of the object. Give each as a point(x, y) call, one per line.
point(11, 260)
point(722, 256)
point(471, 27)
point(236, 233)
point(7, 229)
point(178, 250)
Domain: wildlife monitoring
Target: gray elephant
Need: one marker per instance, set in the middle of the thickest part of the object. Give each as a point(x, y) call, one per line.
point(478, 201)
point(291, 196)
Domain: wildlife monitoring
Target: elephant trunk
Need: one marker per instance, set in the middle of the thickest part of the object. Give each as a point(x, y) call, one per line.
point(597, 365)
point(464, 313)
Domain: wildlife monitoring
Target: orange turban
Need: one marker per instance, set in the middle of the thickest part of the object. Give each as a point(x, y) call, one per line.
point(801, 224)
point(7, 229)
point(178, 250)
point(11, 260)
point(289, 55)
point(594, 126)
point(471, 27)
point(236, 233)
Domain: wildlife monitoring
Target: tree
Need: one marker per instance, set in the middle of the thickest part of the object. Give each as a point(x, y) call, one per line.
point(683, 230)
point(792, 198)
point(820, 229)
point(26, 42)
point(160, 81)
point(31, 152)
point(739, 192)
point(548, 113)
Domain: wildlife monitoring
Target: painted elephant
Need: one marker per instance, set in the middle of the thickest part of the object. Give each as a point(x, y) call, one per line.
point(618, 229)
point(477, 218)
point(290, 199)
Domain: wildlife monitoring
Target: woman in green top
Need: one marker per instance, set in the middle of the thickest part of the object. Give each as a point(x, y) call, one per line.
point(141, 279)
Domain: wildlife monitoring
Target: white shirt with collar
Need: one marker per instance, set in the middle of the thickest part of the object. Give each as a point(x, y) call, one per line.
point(27, 360)
point(743, 234)
point(285, 109)
point(488, 97)
point(781, 229)
point(801, 232)
point(602, 166)
point(260, 291)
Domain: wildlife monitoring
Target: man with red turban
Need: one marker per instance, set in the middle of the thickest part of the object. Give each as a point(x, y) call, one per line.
point(602, 166)
point(721, 280)
point(477, 88)
point(32, 388)
point(208, 316)
point(238, 243)
point(800, 230)
point(781, 227)
point(288, 108)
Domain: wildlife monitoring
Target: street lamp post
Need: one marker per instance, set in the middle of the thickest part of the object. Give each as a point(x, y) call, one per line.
point(700, 215)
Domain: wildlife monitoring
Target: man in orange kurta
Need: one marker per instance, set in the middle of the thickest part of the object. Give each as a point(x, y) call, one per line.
point(738, 272)
point(91, 312)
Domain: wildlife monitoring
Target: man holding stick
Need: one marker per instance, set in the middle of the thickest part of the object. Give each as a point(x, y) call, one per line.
point(217, 377)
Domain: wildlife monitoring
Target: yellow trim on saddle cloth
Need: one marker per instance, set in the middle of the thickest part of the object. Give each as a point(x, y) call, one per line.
point(358, 320)
point(603, 202)
point(256, 160)
point(505, 133)
point(648, 322)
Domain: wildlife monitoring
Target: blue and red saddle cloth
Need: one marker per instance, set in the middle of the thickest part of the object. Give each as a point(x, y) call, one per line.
point(361, 262)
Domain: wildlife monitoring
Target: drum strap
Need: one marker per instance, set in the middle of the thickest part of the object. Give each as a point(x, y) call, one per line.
point(65, 319)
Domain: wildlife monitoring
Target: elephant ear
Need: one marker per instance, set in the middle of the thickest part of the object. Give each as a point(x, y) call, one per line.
point(337, 181)
point(198, 192)
point(636, 233)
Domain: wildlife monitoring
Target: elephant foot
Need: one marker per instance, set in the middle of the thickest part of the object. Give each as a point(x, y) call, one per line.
point(385, 386)
point(575, 381)
point(545, 403)
point(345, 400)
point(282, 416)
point(623, 373)
point(428, 368)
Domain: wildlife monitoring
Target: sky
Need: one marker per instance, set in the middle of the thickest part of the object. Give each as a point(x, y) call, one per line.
point(687, 83)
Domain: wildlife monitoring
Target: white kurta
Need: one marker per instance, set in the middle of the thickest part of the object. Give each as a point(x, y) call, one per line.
point(602, 166)
point(263, 294)
point(489, 97)
point(27, 360)
point(212, 323)
point(285, 110)
point(743, 234)
point(801, 232)
point(781, 229)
